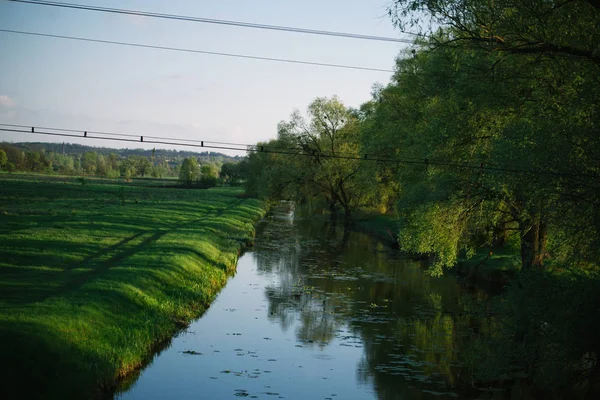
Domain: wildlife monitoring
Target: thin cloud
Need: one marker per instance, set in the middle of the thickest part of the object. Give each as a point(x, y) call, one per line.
point(6, 101)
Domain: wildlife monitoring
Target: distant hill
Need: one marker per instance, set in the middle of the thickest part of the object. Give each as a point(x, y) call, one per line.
point(79, 149)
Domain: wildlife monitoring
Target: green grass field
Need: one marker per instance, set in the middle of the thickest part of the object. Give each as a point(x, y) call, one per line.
point(95, 276)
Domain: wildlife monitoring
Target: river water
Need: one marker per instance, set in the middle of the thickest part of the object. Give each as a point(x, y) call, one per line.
point(314, 312)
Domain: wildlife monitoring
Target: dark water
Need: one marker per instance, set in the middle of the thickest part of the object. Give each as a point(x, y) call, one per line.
point(316, 313)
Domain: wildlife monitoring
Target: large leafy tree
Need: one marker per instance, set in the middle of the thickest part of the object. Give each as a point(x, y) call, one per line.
point(508, 85)
point(330, 137)
point(314, 159)
point(548, 28)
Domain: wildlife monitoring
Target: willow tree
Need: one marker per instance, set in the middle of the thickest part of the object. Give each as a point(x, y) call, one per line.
point(511, 86)
point(547, 28)
point(329, 140)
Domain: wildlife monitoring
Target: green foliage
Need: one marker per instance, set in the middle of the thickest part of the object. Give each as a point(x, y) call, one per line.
point(3, 159)
point(90, 286)
point(143, 166)
point(460, 102)
point(88, 162)
point(209, 175)
point(232, 172)
point(552, 340)
point(70, 159)
point(158, 171)
point(319, 173)
point(495, 117)
point(189, 172)
point(548, 29)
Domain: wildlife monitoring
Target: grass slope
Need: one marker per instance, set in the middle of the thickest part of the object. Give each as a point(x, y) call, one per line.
point(94, 276)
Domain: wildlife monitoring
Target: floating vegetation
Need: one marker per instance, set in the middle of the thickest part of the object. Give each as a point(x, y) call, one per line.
point(333, 304)
point(193, 353)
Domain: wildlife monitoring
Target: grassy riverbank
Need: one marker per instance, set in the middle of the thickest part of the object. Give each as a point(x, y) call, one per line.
point(93, 276)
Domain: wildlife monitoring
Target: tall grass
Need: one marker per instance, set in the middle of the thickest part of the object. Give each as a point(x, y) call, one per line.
point(93, 277)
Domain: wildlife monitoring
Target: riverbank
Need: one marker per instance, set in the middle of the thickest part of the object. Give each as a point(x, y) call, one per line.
point(313, 309)
point(94, 276)
point(381, 226)
point(488, 265)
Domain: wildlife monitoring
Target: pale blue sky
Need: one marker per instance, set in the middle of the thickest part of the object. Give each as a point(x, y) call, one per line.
point(90, 86)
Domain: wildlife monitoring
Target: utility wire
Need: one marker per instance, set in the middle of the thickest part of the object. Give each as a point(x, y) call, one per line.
point(265, 149)
point(214, 53)
point(217, 21)
point(204, 143)
point(123, 134)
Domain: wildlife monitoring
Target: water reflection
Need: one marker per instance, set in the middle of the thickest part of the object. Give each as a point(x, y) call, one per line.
point(318, 312)
point(337, 287)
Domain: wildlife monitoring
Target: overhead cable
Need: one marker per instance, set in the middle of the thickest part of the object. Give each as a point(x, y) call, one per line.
point(271, 150)
point(214, 53)
point(217, 21)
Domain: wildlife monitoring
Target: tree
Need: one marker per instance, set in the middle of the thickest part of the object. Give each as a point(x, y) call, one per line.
point(190, 171)
point(158, 171)
point(142, 165)
point(230, 172)
point(113, 161)
point(88, 162)
point(3, 159)
point(503, 83)
point(378, 131)
point(330, 137)
point(36, 161)
point(270, 175)
point(101, 166)
point(209, 175)
point(548, 29)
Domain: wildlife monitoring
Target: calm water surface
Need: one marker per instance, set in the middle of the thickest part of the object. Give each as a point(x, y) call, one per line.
point(316, 313)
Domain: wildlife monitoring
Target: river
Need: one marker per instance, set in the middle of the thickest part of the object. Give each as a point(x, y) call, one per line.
point(317, 313)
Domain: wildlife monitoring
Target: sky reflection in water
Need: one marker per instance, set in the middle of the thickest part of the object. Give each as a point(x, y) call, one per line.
point(316, 313)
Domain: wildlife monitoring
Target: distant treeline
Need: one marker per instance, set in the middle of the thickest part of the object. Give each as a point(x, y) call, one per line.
point(74, 159)
point(79, 149)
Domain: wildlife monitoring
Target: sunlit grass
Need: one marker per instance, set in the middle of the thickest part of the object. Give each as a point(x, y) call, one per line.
point(94, 276)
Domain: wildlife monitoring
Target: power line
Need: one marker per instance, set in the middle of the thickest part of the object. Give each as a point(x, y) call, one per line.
point(141, 139)
point(214, 53)
point(130, 135)
point(217, 21)
point(266, 149)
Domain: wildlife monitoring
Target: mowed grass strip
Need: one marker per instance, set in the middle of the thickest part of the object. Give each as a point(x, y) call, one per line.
point(93, 277)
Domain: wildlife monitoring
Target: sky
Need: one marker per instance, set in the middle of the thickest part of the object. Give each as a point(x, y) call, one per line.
point(90, 86)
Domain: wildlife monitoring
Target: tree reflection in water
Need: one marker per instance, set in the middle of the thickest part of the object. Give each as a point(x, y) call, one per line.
point(342, 288)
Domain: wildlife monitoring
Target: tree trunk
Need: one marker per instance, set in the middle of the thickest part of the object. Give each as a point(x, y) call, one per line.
point(533, 245)
point(500, 236)
point(347, 215)
point(332, 211)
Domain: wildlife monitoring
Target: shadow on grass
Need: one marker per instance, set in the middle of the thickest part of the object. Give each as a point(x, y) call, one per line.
point(12, 288)
point(88, 292)
point(44, 366)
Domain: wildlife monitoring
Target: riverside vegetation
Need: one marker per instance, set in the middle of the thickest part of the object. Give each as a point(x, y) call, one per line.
point(94, 276)
point(490, 131)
